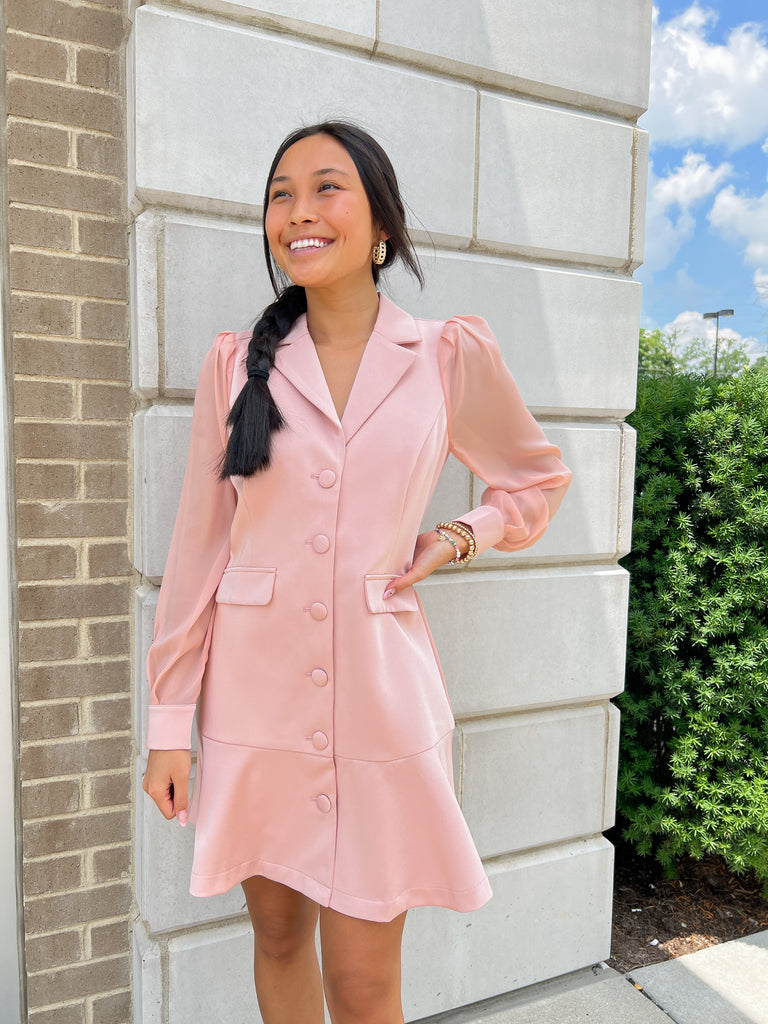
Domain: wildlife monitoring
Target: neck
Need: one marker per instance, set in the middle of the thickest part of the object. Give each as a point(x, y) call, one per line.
point(342, 319)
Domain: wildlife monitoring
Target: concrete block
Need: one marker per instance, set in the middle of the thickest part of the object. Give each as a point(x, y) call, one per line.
point(211, 976)
point(205, 142)
point(145, 240)
point(554, 184)
point(147, 977)
point(528, 638)
point(163, 867)
point(554, 326)
point(161, 444)
point(533, 779)
point(586, 52)
point(627, 488)
point(550, 914)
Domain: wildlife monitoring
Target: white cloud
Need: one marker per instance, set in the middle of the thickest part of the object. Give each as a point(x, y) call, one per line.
point(694, 179)
point(738, 215)
point(689, 326)
point(760, 281)
point(703, 90)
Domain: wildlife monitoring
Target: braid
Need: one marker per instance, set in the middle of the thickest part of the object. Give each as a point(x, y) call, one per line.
point(254, 416)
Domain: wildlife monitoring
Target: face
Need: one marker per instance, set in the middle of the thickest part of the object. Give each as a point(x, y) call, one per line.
point(318, 221)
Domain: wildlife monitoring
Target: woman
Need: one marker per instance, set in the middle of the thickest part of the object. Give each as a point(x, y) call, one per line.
point(324, 782)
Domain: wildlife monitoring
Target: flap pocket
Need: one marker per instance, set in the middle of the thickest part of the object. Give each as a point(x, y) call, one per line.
point(375, 585)
point(243, 585)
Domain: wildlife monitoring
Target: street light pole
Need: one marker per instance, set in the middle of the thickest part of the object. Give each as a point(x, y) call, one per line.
point(716, 316)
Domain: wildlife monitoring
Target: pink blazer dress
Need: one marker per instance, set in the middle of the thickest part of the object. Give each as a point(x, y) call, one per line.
point(325, 729)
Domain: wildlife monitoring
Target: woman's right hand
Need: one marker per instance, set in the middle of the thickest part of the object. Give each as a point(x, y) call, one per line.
point(167, 781)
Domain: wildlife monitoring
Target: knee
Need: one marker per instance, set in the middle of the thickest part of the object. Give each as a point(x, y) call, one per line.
point(281, 937)
point(353, 998)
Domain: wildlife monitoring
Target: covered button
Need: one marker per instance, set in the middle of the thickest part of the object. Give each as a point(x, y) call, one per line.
point(320, 543)
point(319, 676)
point(327, 478)
point(323, 803)
point(318, 611)
point(319, 740)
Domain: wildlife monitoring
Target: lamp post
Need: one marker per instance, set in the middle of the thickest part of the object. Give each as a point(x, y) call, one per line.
point(716, 316)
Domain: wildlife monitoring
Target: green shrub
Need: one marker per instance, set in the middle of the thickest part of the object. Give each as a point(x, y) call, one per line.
point(693, 775)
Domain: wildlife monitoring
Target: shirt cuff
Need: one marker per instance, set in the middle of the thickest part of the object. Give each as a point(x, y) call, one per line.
point(169, 726)
point(487, 524)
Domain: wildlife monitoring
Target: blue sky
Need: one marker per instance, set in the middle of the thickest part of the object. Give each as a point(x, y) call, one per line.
point(707, 216)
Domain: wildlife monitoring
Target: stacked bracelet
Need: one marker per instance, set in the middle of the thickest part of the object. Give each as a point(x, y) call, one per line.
point(466, 534)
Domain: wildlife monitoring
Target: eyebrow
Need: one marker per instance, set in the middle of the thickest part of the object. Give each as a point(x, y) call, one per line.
point(316, 174)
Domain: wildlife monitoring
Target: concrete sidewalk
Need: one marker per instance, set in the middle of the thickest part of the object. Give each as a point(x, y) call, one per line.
point(725, 984)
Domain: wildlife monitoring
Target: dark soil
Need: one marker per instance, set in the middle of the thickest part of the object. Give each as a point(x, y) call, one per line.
point(655, 918)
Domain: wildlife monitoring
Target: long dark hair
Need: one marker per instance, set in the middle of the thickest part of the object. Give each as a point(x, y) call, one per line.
point(254, 415)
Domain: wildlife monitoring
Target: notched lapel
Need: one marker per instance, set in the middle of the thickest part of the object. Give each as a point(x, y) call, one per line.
point(383, 364)
point(296, 359)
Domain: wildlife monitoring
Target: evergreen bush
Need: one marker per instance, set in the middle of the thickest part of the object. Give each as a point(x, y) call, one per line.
point(693, 773)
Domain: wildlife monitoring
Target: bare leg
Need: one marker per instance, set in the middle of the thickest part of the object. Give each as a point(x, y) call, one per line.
point(288, 984)
point(361, 968)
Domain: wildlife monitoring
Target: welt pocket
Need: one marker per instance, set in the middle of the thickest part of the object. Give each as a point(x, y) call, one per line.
point(244, 585)
point(375, 584)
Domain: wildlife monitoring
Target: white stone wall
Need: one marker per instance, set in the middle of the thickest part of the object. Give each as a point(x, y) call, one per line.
point(512, 128)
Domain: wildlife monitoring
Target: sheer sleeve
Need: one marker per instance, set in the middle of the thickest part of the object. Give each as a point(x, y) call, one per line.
point(198, 555)
point(491, 431)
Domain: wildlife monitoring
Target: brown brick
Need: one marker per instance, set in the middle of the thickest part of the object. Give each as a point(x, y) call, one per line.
point(71, 519)
point(113, 1009)
point(39, 399)
point(111, 638)
point(98, 69)
point(112, 864)
point(109, 939)
point(47, 643)
point(67, 275)
point(45, 480)
point(63, 104)
point(46, 914)
point(40, 227)
point(102, 237)
point(40, 356)
point(106, 480)
point(106, 402)
point(72, 441)
point(44, 799)
point(104, 321)
point(63, 835)
point(40, 58)
point(64, 190)
point(72, 1013)
point(44, 682)
point(73, 757)
point(35, 314)
point(72, 600)
point(101, 153)
point(48, 721)
point(78, 980)
point(38, 144)
point(55, 874)
point(64, 21)
point(47, 951)
point(46, 562)
point(108, 560)
point(110, 714)
point(113, 790)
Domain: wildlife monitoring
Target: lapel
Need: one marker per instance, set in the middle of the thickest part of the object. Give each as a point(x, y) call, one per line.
point(387, 356)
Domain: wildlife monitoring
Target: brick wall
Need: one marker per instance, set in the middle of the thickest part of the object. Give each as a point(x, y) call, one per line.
point(67, 231)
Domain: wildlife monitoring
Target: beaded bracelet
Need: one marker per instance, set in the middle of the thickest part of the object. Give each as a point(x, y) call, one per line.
point(466, 534)
point(450, 540)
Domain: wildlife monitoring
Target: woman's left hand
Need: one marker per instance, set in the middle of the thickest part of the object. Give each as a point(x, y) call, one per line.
point(431, 552)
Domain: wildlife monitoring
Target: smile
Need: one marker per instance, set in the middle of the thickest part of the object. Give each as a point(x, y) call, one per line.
point(308, 243)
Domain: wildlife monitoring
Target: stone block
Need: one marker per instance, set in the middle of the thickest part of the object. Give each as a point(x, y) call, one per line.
point(163, 867)
point(533, 779)
point(554, 184)
point(192, 141)
point(211, 976)
point(586, 52)
point(642, 145)
point(627, 490)
point(147, 977)
point(528, 638)
point(611, 767)
point(143, 242)
point(553, 326)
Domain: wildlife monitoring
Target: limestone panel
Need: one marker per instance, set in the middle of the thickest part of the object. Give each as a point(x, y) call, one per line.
point(161, 443)
point(585, 51)
point(611, 767)
point(527, 638)
point(147, 977)
point(211, 976)
point(554, 326)
point(533, 779)
point(627, 493)
point(550, 914)
point(206, 141)
point(553, 183)
point(163, 867)
point(642, 144)
point(145, 239)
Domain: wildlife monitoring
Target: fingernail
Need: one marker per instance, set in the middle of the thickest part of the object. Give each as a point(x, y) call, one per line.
point(388, 593)
point(182, 816)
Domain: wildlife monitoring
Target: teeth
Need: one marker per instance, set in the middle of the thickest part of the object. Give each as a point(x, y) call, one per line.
point(308, 243)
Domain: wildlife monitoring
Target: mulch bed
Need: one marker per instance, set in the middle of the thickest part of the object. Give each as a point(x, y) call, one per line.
point(655, 918)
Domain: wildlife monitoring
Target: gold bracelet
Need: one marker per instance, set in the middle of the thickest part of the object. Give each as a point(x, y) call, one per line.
point(466, 534)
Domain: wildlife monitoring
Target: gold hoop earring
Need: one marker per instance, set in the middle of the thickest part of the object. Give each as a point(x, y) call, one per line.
point(380, 253)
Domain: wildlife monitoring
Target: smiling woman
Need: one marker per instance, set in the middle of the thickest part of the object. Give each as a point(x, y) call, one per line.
point(324, 782)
